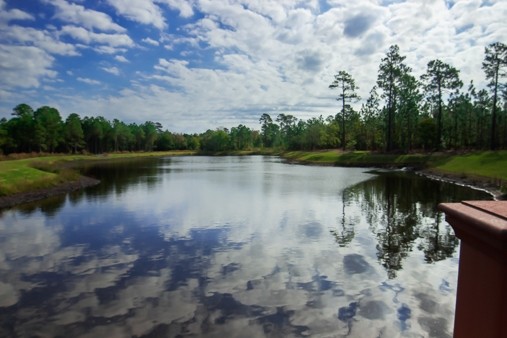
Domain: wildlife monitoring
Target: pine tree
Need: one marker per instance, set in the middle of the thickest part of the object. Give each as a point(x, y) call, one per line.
point(494, 65)
point(347, 92)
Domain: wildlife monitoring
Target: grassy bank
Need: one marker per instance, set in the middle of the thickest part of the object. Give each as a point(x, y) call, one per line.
point(487, 169)
point(255, 151)
point(491, 164)
point(477, 168)
point(28, 174)
point(34, 173)
point(361, 158)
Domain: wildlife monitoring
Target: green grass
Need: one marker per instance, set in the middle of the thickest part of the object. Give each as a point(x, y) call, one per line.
point(27, 174)
point(254, 151)
point(317, 157)
point(491, 164)
point(18, 176)
point(358, 158)
point(487, 167)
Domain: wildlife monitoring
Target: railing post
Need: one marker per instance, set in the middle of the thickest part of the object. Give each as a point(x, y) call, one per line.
point(481, 300)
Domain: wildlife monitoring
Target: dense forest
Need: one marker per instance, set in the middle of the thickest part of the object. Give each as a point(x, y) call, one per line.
point(402, 113)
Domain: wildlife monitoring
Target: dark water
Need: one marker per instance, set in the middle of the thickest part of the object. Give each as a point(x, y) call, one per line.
point(232, 247)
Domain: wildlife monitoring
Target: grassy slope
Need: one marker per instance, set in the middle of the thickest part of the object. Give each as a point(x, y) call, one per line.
point(491, 164)
point(486, 166)
point(359, 158)
point(17, 176)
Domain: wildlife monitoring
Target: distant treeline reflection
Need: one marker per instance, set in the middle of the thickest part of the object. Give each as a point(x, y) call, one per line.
point(400, 210)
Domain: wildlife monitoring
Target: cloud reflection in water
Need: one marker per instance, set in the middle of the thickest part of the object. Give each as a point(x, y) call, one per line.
point(231, 247)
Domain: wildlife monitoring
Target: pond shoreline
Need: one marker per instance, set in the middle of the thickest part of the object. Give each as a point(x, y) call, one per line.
point(243, 225)
point(478, 183)
point(431, 165)
point(31, 196)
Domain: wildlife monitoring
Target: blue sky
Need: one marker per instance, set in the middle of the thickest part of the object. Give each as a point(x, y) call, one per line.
point(199, 64)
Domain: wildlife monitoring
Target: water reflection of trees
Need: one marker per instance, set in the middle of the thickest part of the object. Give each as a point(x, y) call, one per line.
point(344, 234)
point(438, 241)
point(115, 176)
point(401, 208)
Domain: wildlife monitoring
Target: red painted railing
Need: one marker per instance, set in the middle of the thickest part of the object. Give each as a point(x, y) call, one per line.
point(481, 303)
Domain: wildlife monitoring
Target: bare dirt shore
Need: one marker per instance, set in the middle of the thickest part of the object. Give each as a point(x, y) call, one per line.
point(30, 196)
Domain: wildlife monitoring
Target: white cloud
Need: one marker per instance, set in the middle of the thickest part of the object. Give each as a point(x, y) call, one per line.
point(150, 41)
point(111, 70)
point(79, 15)
point(24, 66)
point(88, 81)
point(275, 56)
point(170, 41)
point(86, 36)
point(40, 38)
point(183, 6)
point(102, 49)
point(121, 58)
point(12, 14)
point(142, 11)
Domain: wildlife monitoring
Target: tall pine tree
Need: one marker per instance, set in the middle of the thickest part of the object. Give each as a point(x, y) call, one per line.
point(494, 65)
point(347, 92)
point(390, 73)
point(439, 78)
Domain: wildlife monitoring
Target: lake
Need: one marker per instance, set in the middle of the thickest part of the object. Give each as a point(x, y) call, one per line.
point(232, 247)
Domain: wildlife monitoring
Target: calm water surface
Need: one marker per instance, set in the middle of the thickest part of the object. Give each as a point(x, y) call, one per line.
point(232, 247)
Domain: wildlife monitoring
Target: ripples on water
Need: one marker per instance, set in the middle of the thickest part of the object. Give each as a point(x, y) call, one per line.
point(232, 247)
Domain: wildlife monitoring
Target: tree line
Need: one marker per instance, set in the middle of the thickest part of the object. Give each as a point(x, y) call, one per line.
point(402, 113)
point(433, 112)
point(44, 130)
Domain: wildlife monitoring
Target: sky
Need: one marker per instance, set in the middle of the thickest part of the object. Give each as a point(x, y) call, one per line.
point(201, 64)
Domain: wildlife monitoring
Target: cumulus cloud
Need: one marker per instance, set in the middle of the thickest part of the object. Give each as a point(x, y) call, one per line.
point(150, 41)
point(171, 41)
point(121, 58)
point(86, 36)
point(183, 6)
point(250, 57)
point(371, 44)
point(142, 11)
point(7, 15)
point(111, 70)
point(104, 49)
point(88, 81)
point(24, 66)
point(40, 38)
point(79, 15)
